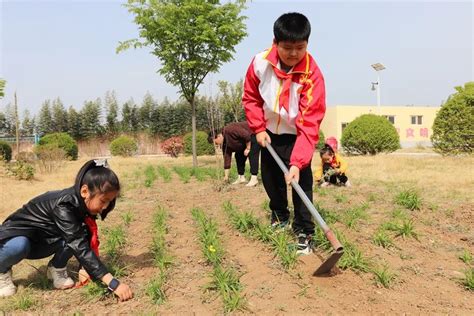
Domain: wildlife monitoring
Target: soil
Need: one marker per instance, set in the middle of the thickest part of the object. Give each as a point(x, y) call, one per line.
point(428, 270)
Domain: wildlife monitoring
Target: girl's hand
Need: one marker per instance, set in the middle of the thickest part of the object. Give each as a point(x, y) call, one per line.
point(123, 292)
point(83, 276)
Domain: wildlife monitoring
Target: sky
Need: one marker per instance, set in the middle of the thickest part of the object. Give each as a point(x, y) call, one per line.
point(66, 49)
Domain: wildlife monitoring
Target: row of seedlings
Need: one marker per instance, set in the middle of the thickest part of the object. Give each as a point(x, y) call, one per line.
point(225, 279)
point(162, 259)
point(281, 240)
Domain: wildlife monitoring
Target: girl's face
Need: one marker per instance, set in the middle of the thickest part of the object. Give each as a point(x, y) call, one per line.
point(327, 157)
point(99, 202)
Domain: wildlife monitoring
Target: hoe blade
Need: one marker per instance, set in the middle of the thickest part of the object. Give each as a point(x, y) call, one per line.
point(330, 263)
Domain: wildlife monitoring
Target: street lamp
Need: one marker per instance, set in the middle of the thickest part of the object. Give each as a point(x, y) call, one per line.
point(377, 67)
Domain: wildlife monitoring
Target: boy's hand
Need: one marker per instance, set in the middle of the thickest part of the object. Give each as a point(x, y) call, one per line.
point(246, 152)
point(293, 174)
point(263, 138)
point(123, 292)
point(226, 175)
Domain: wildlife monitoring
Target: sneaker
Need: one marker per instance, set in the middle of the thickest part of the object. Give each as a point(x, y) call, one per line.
point(304, 246)
point(253, 181)
point(240, 179)
point(276, 225)
point(7, 288)
point(348, 184)
point(60, 278)
point(324, 184)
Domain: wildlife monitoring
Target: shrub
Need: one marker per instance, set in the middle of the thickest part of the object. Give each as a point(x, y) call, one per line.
point(123, 146)
point(370, 134)
point(202, 145)
point(63, 141)
point(321, 140)
point(5, 151)
point(50, 157)
point(26, 156)
point(21, 170)
point(173, 146)
point(454, 123)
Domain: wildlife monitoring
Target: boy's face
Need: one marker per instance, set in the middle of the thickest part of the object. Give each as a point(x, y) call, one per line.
point(327, 157)
point(291, 53)
point(219, 140)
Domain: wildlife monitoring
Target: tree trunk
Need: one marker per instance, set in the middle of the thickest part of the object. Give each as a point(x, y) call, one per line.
point(193, 123)
point(17, 127)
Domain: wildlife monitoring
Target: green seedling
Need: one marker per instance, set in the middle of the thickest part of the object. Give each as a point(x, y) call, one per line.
point(399, 214)
point(114, 241)
point(409, 199)
point(353, 259)
point(228, 284)
point(329, 217)
point(340, 198)
point(24, 301)
point(95, 291)
point(150, 176)
point(155, 291)
point(127, 218)
point(382, 239)
point(406, 230)
point(468, 281)
point(184, 173)
point(352, 216)
point(383, 276)
point(466, 257)
point(164, 173)
point(285, 247)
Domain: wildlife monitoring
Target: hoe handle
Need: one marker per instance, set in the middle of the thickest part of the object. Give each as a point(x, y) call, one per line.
point(327, 231)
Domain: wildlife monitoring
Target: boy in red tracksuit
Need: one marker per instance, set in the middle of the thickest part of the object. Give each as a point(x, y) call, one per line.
point(284, 101)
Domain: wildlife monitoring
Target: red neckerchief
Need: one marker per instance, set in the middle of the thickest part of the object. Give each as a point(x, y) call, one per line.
point(284, 98)
point(92, 226)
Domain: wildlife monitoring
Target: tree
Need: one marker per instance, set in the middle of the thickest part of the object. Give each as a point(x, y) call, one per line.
point(230, 99)
point(28, 124)
point(9, 120)
point(111, 110)
point(145, 112)
point(74, 124)
point(90, 119)
point(129, 117)
point(190, 38)
point(3, 123)
point(453, 127)
point(45, 119)
point(2, 87)
point(59, 116)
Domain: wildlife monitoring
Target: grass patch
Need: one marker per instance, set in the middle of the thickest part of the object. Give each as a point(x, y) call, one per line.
point(382, 239)
point(155, 289)
point(353, 215)
point(184, 173)
point(353, 259)
point(468, 281)
point(24, 301)
point(114, 241)
point(164, 173)
point(466, 257)
point(282, 242)
point(383, 276)
point(224, 279)
point(340, 198)
point(409, 199)
point(406, 230)
point(150, 176)
point(127, 218)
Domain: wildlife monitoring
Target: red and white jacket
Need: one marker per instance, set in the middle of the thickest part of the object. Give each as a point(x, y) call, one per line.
point(301, 110)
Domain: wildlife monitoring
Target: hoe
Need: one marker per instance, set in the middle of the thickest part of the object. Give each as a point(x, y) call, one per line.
point(330, 262)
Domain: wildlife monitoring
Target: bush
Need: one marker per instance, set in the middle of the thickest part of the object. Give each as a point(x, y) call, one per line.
point(50, 157)
point(173, 146)
point(21, 170)
point(26, 156)
point(370, 134)
point(123, 146)
point(63, 141)
point(321, 140)
point(5, 151)
point(202, 145)
point(454, 124)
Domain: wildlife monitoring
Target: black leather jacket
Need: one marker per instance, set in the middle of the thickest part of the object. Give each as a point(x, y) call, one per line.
point(52, 216)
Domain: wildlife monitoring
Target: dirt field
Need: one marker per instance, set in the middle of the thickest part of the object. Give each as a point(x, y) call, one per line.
point(427, 272)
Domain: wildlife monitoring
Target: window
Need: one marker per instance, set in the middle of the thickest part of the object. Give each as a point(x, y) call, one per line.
point(416, 119)
point(343, 125)
point(390, 118)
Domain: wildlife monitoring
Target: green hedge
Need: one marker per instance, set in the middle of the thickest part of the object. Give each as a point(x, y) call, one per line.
point(63, 141)
point(5, 151)
point(202, 145)
point(370, 134)
point(123, 146)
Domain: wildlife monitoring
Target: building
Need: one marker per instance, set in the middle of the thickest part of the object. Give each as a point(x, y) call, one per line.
point(413, 123)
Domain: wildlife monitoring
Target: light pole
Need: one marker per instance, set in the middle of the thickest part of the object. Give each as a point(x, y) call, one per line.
point(377, 67)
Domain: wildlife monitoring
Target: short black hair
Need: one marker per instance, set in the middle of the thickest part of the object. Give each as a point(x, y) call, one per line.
point(292, 27)
point(326, 150)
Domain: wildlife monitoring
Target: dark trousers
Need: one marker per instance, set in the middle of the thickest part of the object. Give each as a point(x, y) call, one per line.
point(275, 185)
point(331, 177)
point(254, 154)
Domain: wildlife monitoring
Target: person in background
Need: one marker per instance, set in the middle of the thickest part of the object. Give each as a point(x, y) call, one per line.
point(332, 169)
